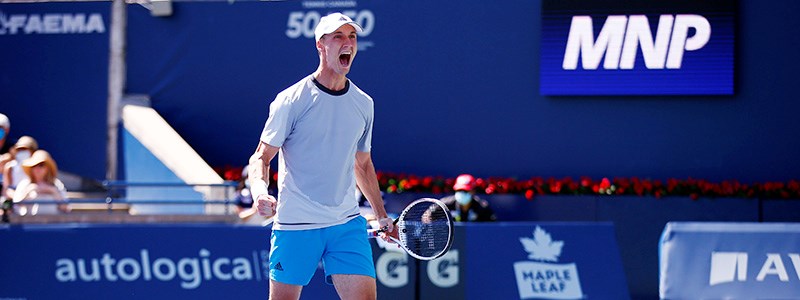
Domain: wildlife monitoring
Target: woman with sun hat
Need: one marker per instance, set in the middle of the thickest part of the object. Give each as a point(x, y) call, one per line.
point(42, 184)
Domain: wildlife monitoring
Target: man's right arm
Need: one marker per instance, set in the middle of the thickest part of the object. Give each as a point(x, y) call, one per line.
point(258, 176)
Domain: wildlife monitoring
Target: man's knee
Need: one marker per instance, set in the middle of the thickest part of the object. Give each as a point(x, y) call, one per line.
point(284, 291)
point(355, 287)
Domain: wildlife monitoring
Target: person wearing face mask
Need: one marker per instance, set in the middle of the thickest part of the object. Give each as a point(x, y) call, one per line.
point(13, 173)
point(5, 127)
point(5, 157)
point(464, 205)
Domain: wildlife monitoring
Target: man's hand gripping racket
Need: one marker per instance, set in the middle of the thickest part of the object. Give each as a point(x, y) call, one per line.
point(424, 229)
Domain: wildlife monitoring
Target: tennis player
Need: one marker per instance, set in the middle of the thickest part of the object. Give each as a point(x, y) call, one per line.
point(321, 130)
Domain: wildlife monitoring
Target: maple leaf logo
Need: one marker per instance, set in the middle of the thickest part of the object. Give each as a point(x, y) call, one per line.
point(542, 246)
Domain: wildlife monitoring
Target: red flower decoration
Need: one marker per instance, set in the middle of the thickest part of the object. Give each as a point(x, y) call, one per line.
point(529, 194)
point(555, 187)
point(530, 187)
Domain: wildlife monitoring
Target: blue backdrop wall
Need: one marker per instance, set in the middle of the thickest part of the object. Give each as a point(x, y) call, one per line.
point(456, 89)
point(53, 79)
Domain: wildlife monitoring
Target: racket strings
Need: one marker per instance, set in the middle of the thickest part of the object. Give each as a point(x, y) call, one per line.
point(425, 229)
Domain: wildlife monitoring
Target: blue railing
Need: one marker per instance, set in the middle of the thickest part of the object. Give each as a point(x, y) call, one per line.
point(113, 195)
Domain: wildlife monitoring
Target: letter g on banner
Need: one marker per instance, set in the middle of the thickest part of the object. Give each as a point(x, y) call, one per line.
point(443, 271)
point(392, 269)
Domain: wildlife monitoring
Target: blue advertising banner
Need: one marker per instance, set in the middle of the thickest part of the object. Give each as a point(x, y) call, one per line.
point(637, 48)
point(730, 261)
point(138, 262)
point(180, 261)
point(400, 276)
point(544, 261)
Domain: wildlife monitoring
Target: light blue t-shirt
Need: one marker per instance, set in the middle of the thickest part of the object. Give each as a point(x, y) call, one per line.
point(318, 132)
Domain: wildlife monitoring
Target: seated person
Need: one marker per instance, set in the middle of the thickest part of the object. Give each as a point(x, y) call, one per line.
point(464, 205)
point(12, 171)
point(243, 199)
point(5, 157)
point(5, 127)
point(41, 184)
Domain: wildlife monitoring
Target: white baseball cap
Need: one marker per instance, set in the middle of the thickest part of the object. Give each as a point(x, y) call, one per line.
point(331, 22)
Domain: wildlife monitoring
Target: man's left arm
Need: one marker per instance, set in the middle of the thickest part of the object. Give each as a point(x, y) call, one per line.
point(367, 180)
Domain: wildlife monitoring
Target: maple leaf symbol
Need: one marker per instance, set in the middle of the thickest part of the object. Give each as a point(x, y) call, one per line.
point(542, 246)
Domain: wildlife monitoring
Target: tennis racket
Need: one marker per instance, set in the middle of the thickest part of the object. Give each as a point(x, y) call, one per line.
point(425, 229)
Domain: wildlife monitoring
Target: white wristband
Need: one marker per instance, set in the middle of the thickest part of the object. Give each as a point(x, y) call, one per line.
point(258, 187)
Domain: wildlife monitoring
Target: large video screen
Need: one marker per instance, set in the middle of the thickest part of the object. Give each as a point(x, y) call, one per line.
point(592, 47)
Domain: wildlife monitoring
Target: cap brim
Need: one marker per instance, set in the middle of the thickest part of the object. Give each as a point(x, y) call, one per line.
point(342, 23)
point(462, 188)
point(29, 163)
point(356, 26)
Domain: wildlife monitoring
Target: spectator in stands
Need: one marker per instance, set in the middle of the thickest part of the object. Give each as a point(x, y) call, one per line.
point(464, 205)
point(244, 200)
point(42, 184)
point(12, 171)
point(5, 128)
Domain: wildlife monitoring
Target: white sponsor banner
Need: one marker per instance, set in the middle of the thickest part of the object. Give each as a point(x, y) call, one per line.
point(537, 280)
point(51, 23)
point(542, 280)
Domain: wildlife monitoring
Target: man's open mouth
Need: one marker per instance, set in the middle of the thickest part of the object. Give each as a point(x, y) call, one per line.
point(344, 58)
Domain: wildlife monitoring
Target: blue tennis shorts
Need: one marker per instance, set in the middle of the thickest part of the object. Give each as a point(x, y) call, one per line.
point(343, 249)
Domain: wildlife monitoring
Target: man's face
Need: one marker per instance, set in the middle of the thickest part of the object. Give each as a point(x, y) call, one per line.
point(339, 49)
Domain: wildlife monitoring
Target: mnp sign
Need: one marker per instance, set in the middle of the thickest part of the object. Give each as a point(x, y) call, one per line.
point(730, 260)
point(637, 48)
